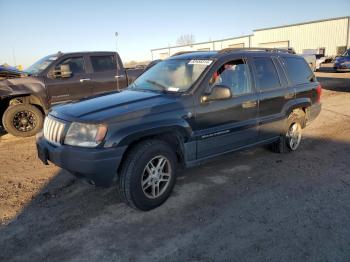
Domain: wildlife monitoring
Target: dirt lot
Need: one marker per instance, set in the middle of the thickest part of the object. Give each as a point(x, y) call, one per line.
point(247, 206)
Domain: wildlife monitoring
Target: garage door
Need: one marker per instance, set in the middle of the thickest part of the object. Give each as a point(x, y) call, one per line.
point(281, 44)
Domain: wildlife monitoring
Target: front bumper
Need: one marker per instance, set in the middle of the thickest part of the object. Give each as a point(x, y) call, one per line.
point(312, 112)
point(97, 164)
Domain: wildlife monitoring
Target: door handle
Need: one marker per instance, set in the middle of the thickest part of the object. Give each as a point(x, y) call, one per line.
point(120, 76)
point(84, 79)
point(249, 104)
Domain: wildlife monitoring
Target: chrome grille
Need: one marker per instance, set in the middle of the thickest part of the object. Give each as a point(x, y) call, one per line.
point(53, 130)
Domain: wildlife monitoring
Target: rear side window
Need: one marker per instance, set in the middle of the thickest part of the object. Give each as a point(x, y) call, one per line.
point(298, 70)
point(266, 74)
point(103, 63)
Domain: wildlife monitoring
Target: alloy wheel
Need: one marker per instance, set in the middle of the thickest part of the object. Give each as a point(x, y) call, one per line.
point(156, 177)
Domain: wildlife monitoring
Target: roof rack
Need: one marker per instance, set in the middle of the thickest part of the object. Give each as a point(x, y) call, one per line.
point(275, 50)
point(186, 52)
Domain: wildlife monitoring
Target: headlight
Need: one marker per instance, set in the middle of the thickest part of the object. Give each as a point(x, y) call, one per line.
point(85, 135)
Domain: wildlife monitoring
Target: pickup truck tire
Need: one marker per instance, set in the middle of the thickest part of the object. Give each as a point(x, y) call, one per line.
point(148, 174)
point(291, 139)
point(23, 120)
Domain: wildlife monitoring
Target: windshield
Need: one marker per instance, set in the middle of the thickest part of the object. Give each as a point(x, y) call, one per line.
point(347, 53)
point(171, 75)
point(41, 65)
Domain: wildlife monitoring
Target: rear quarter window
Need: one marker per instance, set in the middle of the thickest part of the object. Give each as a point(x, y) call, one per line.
point(103, 63)
point(298, 70)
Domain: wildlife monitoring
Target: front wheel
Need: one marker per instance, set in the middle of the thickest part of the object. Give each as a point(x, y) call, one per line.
point(23, 120)
point(148, 175)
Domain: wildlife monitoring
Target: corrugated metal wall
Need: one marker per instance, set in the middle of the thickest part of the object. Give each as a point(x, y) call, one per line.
point(207, 46)
point(328, 34)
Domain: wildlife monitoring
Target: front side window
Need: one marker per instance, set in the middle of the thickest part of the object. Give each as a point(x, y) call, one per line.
point(266, 74)
point(298, 70)
point(76, 65)
point(235, 75)
point(103, 63)
point(174, 75)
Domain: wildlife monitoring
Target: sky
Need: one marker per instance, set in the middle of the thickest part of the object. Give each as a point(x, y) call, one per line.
point(33, 29)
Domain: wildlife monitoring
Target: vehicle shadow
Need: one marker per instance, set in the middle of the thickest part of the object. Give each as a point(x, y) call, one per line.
point(2, 131)
point(69, 217)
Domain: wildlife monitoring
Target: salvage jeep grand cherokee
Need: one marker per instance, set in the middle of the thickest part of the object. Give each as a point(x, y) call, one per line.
point(184, 110)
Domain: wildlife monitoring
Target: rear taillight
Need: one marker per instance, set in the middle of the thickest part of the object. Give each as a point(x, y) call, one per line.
point(319, 92)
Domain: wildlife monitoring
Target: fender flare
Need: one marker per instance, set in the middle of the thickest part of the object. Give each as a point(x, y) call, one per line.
point(130, 134)
point(39, 101)
point(29, 98)
point(294, 104)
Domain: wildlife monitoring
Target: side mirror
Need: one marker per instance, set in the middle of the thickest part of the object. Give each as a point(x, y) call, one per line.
point(218, 92)
point(63, 72)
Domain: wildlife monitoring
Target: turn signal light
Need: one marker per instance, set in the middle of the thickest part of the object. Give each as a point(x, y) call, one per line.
point(319, 92)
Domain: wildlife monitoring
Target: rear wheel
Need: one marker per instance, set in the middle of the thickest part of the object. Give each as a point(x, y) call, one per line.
point(23, 120)
point(291, 139)
point(148, 175)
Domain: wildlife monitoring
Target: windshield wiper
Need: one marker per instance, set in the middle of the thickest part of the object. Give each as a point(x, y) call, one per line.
point(157, 84)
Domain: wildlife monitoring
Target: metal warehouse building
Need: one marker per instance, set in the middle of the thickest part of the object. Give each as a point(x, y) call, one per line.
point(329, 37)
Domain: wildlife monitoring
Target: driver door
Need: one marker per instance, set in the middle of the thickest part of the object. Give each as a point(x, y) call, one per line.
point(225, 125)
point(76, 86)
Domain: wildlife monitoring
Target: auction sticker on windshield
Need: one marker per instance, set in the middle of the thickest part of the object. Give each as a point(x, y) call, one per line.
point(200, 62)
point(173, 89)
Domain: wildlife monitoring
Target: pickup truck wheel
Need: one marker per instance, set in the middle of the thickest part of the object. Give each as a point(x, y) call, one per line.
point(290, 141)
point(22, 120)
point(148, 175)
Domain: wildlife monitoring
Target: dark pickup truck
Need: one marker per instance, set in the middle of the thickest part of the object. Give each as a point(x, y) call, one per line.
point(182, 111)
point(59, 78)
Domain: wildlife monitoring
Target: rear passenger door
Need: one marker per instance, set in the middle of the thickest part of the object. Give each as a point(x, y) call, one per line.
point(274, 93)
point(105, 75)
point(301, 77)
point(224, 125)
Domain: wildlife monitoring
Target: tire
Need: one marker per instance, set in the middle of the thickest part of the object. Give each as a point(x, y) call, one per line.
point(134, 173)
point(23, 120)
point(284, 145)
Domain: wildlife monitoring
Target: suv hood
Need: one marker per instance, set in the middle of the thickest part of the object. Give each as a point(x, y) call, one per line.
point(127, 104)
point(342, 59)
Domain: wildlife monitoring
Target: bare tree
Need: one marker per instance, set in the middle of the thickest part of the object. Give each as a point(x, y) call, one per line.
point(187, 39)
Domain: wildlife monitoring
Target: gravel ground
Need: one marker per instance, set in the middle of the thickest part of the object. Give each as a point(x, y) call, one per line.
point(252, 205)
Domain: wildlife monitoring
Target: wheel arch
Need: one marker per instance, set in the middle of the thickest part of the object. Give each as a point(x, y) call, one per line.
point(293, 105)
point(174, 136)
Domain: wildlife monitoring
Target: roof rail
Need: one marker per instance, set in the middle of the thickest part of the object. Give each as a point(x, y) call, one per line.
point(186, 52)
point(276, 50)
